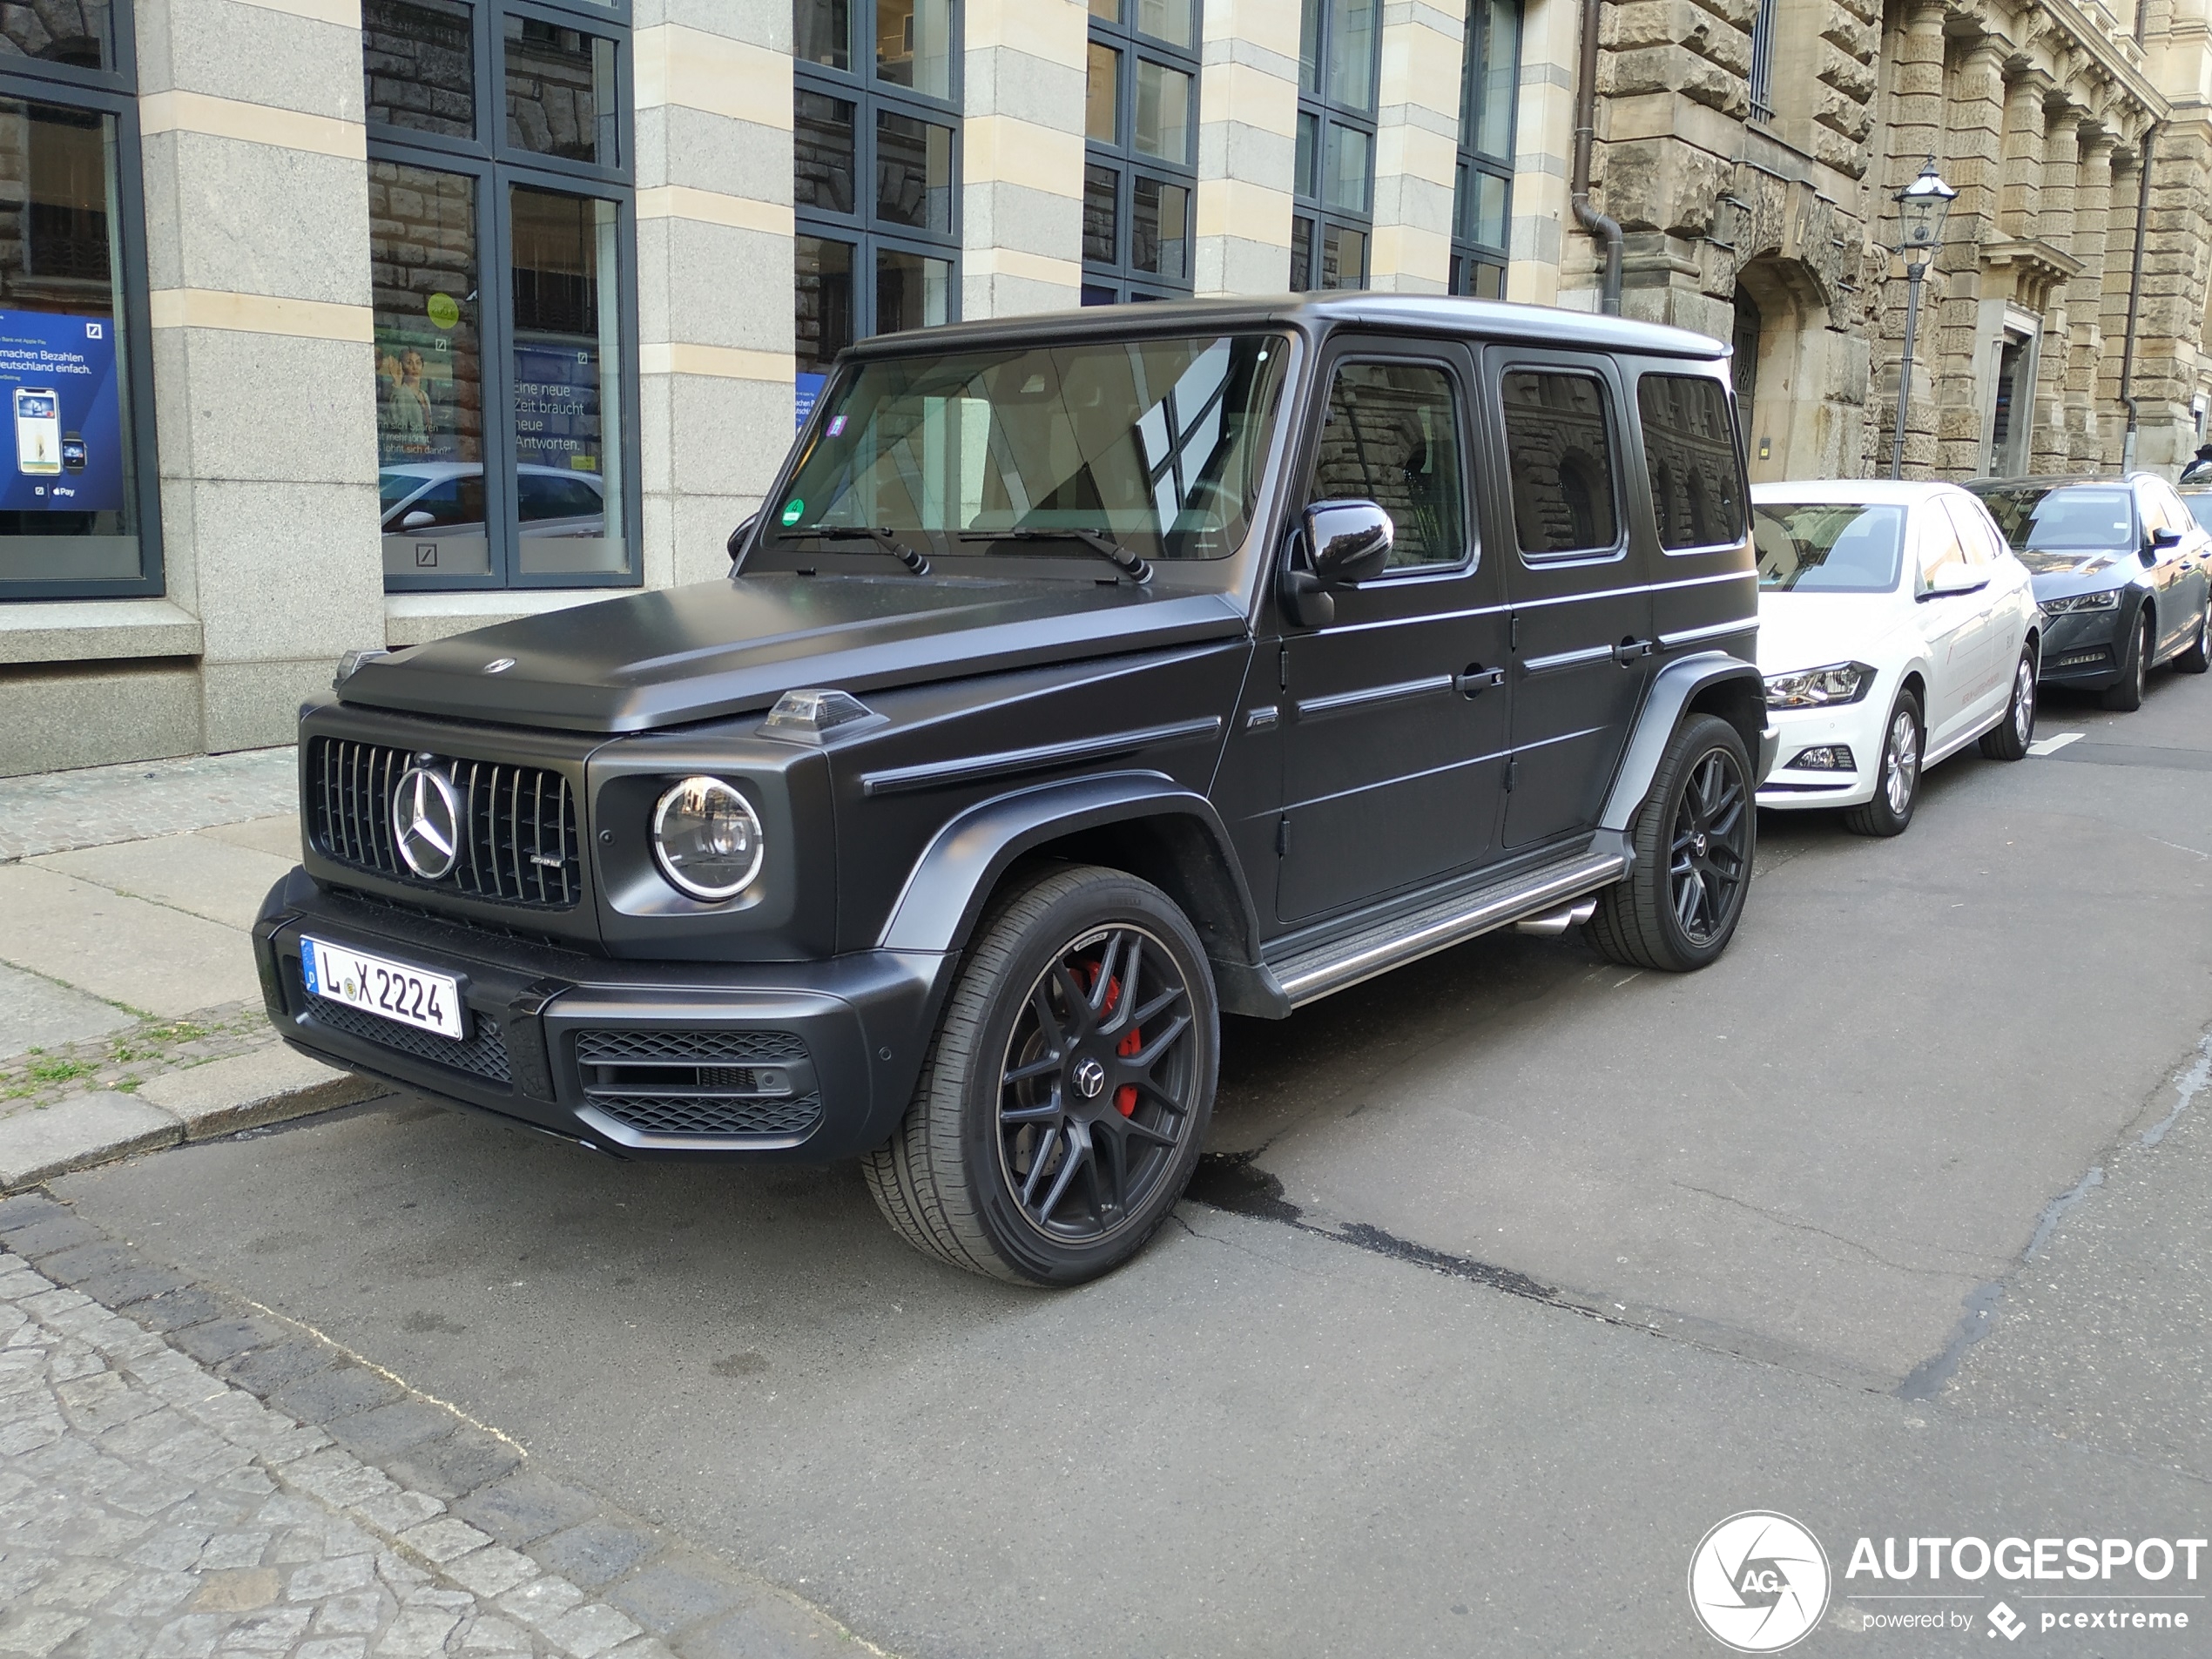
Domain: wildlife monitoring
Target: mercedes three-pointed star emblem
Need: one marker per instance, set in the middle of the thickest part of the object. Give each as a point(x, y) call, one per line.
point(426, 822)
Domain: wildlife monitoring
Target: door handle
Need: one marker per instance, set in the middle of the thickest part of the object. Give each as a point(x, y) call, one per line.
point(1629, 649)
point(1474, 679)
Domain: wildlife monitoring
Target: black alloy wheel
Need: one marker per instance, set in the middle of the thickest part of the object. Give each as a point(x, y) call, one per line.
point(2009, 738)
point(1678, 906)
point(2135, 670)
point(1065, 1098)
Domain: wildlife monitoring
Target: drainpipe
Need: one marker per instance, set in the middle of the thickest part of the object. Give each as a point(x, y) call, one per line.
point(2134, 298)
point(1608, 231)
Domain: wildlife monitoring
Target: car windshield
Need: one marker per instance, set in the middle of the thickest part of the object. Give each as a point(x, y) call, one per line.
point(2199, 504)
point(1828, 547)
point(2067, 519)
point(1156, 444)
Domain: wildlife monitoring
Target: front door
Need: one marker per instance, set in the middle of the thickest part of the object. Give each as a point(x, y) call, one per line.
point(1394, 712)
point(1950, 623)
point(1581, 629)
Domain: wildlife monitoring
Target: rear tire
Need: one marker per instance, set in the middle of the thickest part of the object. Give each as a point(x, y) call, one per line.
point(2009, 738)
point(1695, 838)
point(2198, 656)
point(1065, 1097)
point(1897, 785)
point(2135, 672)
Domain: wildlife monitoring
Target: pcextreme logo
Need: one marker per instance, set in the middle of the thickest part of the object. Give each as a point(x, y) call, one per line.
point(1758, 1581)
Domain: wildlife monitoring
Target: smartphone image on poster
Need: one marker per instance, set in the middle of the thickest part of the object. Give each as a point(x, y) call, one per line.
point(38, 430)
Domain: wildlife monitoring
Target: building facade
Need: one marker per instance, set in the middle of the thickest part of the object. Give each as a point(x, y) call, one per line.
point(340, 323)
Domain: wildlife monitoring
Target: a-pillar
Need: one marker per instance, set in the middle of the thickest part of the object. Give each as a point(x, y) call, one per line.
point(1021, 156)
point(1247, 146)
point(1417, 140)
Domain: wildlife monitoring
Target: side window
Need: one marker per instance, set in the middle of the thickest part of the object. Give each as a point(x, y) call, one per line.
point(1391, 435)
point(2166, 510)
point(1938, 539)
point(1689, 444)
point(1559, 442)
point(1973, 535)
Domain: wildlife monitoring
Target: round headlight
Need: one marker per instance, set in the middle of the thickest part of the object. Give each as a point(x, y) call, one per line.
point(707, 838)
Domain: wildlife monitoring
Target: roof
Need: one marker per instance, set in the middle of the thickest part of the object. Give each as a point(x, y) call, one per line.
point(1870, 492)
point(1317, 313)
point(2051, 481)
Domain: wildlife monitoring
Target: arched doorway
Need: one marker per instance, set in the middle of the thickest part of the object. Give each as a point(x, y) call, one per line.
point(1782, 343)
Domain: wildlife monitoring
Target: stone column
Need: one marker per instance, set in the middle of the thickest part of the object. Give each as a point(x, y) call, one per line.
point(1247, 146)
point(714, 222)
point(2026, 133)
point(1915, 131)
point(2167, 337)
point(265, 388)
point(1021, 156)
point(2084, 299)
point(1417, 144)
point(1970, 164)
point(2120, 272)
point(2050, 444)
point(1543, 141)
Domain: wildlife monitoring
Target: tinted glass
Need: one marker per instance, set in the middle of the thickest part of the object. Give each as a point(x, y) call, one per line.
point(1103, 96)
point(423, 268)
point(913, 172)
point(1162, 112)
point(822, 147)
point(79, 32)
point(1301, 254)
point(1346, 165)
point(1158, 443)
point(568, 378)
point(1160, 228)
point(825, 301)
point(911, 291)
point(1353, 26)
point(913, 44)
point(2073, 518)
point(560, 91)
point(1167, 20)
point(822, 32)
point(1689, 445)
point(1559, 440)
point(1493, 66)
point(2199, 503)
point(1828, 547)
point(419, 65)
point(1101, 213)
point(1391, 435)
point(1344, 257)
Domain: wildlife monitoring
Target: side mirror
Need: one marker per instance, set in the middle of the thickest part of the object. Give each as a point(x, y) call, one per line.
point(2162, 539)
point(418, 520)
point(1350, 540)
point(1953, 579)
point(741, 537)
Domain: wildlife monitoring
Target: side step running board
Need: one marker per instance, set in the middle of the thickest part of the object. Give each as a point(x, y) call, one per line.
point(1553, 923)
point(1543, 897)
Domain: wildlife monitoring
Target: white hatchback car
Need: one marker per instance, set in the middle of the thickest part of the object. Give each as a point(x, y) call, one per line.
point(1895, 628)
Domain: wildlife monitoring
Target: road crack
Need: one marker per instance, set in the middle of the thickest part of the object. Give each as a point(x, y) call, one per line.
point(1781, 1220)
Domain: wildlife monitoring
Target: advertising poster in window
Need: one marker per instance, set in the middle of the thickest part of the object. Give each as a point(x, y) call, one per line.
point(417, 404)
point(58, 382)
point(559, 439)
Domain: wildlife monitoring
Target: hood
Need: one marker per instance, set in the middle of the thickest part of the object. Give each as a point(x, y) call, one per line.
point(1812, 629)
point(666, 658)
point(2076, 560)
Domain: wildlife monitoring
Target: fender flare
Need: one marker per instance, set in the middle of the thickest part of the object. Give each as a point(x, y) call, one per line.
point(945, 891)
point(1672, 689)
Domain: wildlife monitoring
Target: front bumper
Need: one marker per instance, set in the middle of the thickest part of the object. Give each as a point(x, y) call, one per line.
point(641, 1059)
point(2082, 648)
point(1858, 725)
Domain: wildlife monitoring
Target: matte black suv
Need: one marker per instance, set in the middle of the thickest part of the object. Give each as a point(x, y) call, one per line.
point(1085, 677)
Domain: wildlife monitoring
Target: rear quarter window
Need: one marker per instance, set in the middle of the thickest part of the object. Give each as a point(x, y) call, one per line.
point(1689, 448)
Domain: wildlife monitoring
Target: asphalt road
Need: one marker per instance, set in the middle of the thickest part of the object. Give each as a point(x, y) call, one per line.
point(1515, 1273)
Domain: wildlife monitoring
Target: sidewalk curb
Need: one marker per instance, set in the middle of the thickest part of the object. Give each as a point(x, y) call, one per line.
point(202, 1103)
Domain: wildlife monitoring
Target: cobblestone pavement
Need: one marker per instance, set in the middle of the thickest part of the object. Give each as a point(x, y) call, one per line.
point(153, 1509)
point(55, 812)
point(123, 1060)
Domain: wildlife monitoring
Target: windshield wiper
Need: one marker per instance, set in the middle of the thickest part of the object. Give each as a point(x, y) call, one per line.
point(887, 540)
point(1130, 565)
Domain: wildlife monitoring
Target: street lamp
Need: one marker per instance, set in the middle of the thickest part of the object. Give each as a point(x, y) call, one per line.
point(1921, 206)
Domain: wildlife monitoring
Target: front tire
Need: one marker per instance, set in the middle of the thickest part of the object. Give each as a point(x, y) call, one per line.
point(2009, 738)
point(1896, 786)
point(1694, 837)
point(1066, 1095)
point(2135, 672)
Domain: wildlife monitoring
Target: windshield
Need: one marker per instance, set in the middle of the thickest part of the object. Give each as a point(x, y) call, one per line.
point(1828, 547)
point(1156, 444)
point(2072, 519)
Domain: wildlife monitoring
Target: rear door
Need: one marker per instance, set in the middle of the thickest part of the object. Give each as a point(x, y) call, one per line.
point(2175, 569)
point(1581, 605)
point(1704, 581)
point(1394, 741)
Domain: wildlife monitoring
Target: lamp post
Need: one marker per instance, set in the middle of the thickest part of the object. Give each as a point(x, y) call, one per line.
point(1921, 206)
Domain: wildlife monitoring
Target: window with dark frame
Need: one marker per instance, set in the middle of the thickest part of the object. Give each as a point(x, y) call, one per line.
point(1489, 106)
point(501, 229)
point(875, 173)
point(79, 509)
point(1333, 196)
point(1141, 135)
point(1762, 77)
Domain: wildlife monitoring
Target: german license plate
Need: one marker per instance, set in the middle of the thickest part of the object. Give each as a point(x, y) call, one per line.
point(379, 986)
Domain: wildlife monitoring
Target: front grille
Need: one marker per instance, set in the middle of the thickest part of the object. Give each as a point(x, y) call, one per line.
point(703, 1115)
point(518, 835)
point(483, 1056)
point(701, 1082)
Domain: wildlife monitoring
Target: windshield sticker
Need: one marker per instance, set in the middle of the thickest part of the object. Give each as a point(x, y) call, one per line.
point(792, 513)
point(837, 426)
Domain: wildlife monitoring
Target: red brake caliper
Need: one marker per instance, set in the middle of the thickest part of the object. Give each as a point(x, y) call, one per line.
point(1125, 1096)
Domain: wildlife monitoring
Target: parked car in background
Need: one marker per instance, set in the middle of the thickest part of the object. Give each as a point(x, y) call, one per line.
point(2198, 499)
point(1895, 628)
point(2123, 573)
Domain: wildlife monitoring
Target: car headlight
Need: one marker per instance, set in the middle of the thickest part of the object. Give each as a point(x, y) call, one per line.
point(2107, 600)
point(1819, 688)
point(707, 839)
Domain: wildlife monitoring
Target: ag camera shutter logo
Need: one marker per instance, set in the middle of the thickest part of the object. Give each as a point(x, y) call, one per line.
point(1758, 1581)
